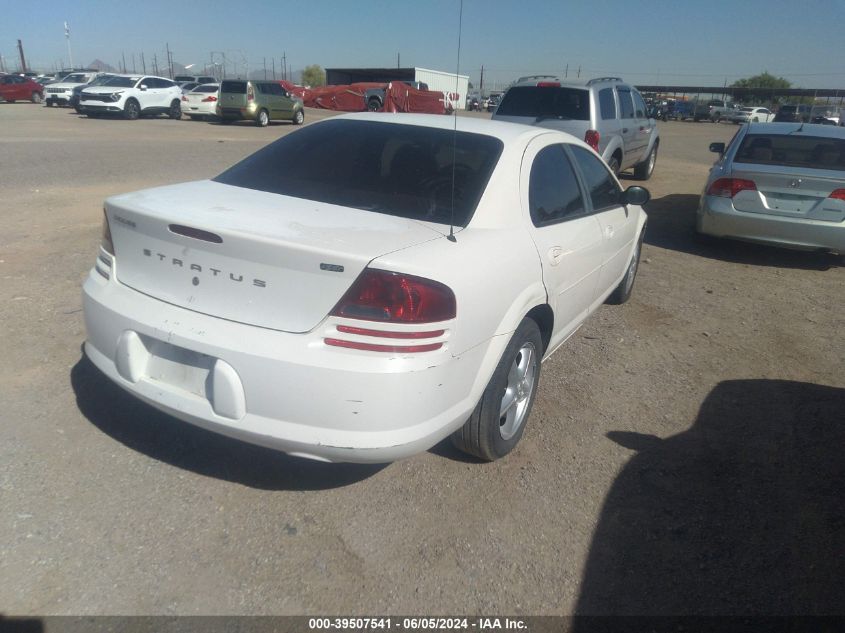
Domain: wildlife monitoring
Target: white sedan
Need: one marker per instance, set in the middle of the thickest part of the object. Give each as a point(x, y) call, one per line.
point(365, 287)
point(753, 115)
point(201, 102)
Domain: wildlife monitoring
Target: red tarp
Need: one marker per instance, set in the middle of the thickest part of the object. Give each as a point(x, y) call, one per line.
point(399, 97)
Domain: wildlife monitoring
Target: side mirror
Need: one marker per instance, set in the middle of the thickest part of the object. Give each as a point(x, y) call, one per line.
point(636, 195)
point(143, 87)
point(718, 148)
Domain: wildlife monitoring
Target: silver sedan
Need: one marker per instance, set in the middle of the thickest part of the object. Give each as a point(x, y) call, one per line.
point(778, 183)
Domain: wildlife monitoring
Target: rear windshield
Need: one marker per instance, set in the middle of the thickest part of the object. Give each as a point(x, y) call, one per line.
point(815, 152)
point(400, 170)
point(75, 79)
point(206, 88)
point(183, 78)
point(122, 82)
point(546, 102)
point(237, 87)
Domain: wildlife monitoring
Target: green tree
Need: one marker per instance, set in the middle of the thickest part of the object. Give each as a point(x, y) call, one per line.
point(764, 80)
point(313, 75)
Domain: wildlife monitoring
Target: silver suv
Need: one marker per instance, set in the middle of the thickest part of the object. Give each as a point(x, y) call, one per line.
point(610, 116)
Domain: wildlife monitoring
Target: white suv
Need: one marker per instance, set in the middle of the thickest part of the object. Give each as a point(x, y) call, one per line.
point(60, 92)
point(132, 96)
point(608, 114)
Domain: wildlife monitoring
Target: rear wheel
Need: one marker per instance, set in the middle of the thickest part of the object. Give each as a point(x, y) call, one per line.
point(613, 163)
point(263, 119)
point(49, 104)
point(175, 110)
point(194, 117)
point(298, 117)
point(36, 97)
point(497, 423)
point(645, 169)
point(131, 110)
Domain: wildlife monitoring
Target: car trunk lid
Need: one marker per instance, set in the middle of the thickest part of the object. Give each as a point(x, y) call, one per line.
point(248, 256)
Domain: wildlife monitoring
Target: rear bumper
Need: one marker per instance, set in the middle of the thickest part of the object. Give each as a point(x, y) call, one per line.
point(717, 216)
point(289, 392)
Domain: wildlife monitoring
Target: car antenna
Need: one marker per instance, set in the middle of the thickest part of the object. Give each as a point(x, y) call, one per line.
point(451, 236)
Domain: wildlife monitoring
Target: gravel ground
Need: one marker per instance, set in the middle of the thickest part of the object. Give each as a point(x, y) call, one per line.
point(684, 454)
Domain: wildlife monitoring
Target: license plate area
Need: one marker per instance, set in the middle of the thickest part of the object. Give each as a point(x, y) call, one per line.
point(178, 367)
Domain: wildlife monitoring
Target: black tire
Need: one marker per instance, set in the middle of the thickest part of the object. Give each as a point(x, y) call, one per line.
point(175, 112)
point(717, 118)
point(49, 104)
point(36, 97)
point(194, 117)
point(644, 170)
point(10, 100)
point(622, 292)
point(131, 111)
point(226, 121)
point(373, 105)
point(483, 435)
point(613, 163)
point(262, 119)
point(298, 117)
point(755, 120)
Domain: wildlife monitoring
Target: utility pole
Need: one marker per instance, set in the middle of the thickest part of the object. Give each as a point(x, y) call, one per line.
point(67, 37)
point(123, 57)
point(273, 59)
point(398, 65)
point(481, 83)
point(169, 60)
point(566, 72)
point(265, 69)
point(143, 63)
point(284, 64)
point(23, 59)
point(133, 63)
point(155, 63)
point(579, 71)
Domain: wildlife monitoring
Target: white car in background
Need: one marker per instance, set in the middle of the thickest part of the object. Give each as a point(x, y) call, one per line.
point(59, 93)
point(752, 115)
point(201, 102)
point(133, 96)
point(364, 287)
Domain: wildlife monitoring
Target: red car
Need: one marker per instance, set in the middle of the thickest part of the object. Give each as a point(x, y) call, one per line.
point(16, 88)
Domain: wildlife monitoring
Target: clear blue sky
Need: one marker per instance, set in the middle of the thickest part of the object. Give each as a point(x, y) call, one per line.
point(668, 42)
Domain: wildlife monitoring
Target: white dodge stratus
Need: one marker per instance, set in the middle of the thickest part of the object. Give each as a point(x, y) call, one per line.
point(364, 287)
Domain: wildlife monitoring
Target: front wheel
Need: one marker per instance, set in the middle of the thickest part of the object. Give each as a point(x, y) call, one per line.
point(613, 163)
point(298, 117)
point(175, 110)
point(498, 421)
point(49, 104)
point(131, 111)
point(645, 169)
point(373, 105)
point(622, 292)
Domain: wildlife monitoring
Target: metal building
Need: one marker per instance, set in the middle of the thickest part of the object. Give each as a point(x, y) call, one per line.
point(436, 80)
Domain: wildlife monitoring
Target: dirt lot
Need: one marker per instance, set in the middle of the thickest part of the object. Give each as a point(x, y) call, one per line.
point(684, 454)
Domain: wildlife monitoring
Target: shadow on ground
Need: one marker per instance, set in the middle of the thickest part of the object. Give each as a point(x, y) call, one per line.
point(671, 225)
point(743, 514)
point(162, 437)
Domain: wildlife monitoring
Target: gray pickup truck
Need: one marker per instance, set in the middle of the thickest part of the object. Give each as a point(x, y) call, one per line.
point(374, 97)
point(714, 110)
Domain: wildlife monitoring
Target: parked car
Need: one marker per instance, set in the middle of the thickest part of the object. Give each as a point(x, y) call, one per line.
point(258, 101)
point(824, 114)
point(201, 102)
point(752, 115)
point(793, 112)
point(374, 97)
point(493, 101)
point(132, 96)
point(778, 183)
point(681, 110)
point(60, 93)
point(607, 113)
point(198, 79)
point(17, 88)
point(315, 298)
point(99, 80)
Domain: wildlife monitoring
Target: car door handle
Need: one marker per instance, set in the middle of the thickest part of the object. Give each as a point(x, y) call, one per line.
point(608, 230)
point(555, 255)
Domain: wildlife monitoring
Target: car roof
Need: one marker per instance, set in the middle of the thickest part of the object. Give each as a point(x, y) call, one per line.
point(505, 131)
point(806, 129)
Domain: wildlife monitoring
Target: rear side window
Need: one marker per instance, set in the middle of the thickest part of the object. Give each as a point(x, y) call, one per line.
point(607, 104)
point(401, 170)
point(626, 106)
point(602, 188)
point(639, 105)
point(546, 102)
point(236, 87)
point(815, 152)
point(553, 192)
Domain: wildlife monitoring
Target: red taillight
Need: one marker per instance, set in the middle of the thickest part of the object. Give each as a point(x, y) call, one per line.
point(106, 242)
point(184, 98)
point(387, 333)
point(250, 94)
point(729, 187)
point(837, 194)
point(379, 295)
point(548, 84)
point(211, 98)
point(591, 138)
